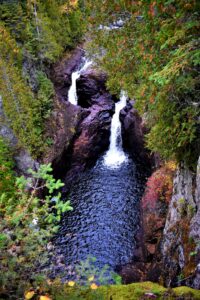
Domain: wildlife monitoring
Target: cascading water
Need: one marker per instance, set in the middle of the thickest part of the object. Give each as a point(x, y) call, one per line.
point(115, 155)
point(105, 217)
point(72, 93)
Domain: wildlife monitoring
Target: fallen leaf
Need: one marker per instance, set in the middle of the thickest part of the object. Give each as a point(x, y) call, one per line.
point(94, 286)
point(91, 278)
point(45, 297)
point(29, 295)
point(71, 283)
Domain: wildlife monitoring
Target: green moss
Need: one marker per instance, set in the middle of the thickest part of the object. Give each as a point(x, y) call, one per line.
point(184, 290)
point(132, 291)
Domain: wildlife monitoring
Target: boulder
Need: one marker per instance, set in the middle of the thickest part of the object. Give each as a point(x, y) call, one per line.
point(90, 86)
point(134, 272)
point(133, 131)
point(92, 137)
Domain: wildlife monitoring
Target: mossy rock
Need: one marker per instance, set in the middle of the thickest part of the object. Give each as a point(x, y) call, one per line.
point(134, 291)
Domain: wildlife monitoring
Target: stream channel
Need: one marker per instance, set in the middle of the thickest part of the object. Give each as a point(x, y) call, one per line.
point(105, 199)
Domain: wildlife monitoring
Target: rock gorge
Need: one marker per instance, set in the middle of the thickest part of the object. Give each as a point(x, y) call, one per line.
point(99, 150)
point(168, 250)
point(168, 244)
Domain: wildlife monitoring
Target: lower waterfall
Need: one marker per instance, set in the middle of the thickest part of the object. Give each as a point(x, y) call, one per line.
point(115, 155)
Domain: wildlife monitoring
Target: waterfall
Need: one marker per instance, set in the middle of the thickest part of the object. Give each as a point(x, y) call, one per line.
point(72, 93)
point(115, 155)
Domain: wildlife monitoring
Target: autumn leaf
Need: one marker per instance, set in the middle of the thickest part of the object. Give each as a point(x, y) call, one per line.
point(45, 297)
point(91, 278)
point(94, 286)
point(29, 295)
point(71, 283)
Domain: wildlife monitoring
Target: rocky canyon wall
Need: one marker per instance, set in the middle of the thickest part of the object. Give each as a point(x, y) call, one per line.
point(172, 233)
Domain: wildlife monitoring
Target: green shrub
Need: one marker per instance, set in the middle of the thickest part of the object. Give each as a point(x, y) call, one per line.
point(27, 224)
point(7, 175)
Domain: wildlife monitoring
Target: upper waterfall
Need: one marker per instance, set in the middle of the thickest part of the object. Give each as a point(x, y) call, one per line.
point(115, 155)
point(72, 93)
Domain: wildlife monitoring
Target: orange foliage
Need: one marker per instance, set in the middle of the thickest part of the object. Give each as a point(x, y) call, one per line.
point(159, 186)
point(151, 11)
point(151, 99)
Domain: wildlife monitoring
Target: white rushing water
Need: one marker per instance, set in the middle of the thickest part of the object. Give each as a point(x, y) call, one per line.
point(72, 93)
point(115, 155)
point(115, 25)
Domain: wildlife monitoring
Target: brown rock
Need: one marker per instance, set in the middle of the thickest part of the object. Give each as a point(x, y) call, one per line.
point(62, 129)
point(93, 137)
point(90, 86)
point(133, 131)
point(61, 72)
point(151, 248)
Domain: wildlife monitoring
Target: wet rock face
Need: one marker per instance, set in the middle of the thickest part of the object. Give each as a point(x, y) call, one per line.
point(92, 137)
point(90, 86)
point(133, 131)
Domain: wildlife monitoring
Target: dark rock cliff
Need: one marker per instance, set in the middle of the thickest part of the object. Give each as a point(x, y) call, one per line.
point(133, 132)
point(172, 233)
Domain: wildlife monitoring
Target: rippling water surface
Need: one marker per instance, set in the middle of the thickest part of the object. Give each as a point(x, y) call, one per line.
point(105, 218)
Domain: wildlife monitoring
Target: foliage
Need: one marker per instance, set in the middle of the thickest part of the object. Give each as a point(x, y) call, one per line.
point(88, 271)
point(18, 101)
point(156, 62)
point(27, 224)
point(159, 186)
point(89, 277)
point(7, 176)
point(31, 39)
point(45, 94)
point(34, 24)
point(134, 291)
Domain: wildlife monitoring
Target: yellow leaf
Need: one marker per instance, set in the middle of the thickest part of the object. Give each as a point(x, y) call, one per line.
point(28, 295)
point(71, 283)
point(45, 297)
point(93, 286)
point(74, 3)
point(91, 278)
